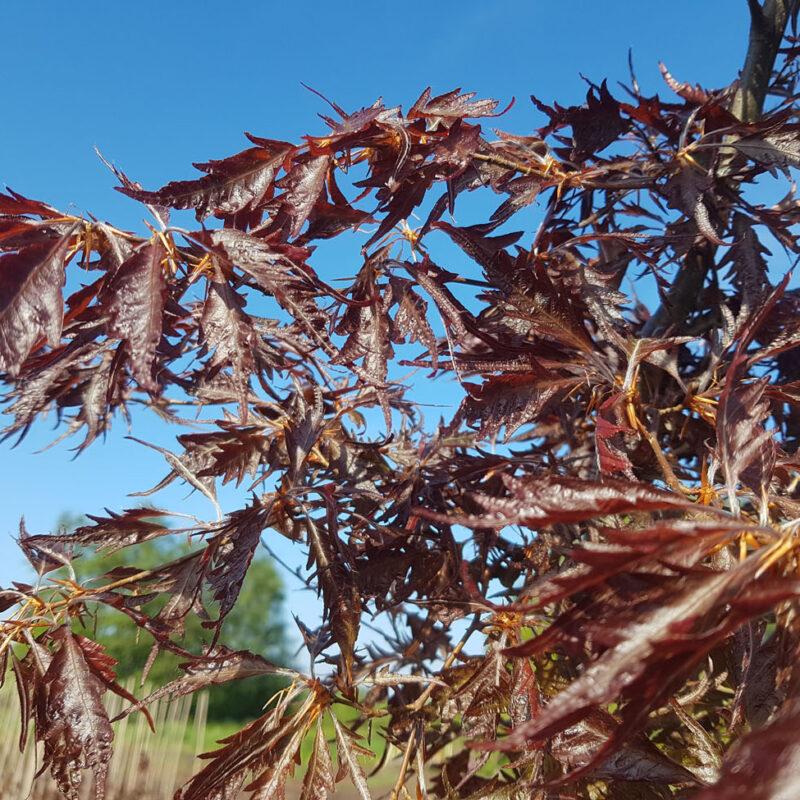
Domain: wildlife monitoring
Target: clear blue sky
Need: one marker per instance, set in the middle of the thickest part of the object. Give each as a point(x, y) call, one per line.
point(156, 86)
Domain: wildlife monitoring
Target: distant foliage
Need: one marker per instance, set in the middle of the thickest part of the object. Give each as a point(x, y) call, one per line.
point(257, 623)
point(585, 580)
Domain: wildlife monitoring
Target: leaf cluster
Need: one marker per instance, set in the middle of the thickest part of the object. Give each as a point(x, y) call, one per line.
point(607, 598)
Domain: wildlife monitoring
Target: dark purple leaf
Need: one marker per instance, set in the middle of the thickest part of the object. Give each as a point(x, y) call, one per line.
point(411, 318)
point(639, 760)
point(686, 191)
point(304, 186)
point(595, 125)
point(509, 401)
point(217, 665)
point(773, 146)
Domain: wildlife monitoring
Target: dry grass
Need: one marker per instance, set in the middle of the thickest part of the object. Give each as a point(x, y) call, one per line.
point(147, 765)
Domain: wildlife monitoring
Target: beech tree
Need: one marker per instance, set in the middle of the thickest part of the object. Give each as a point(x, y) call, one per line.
point(584, 581)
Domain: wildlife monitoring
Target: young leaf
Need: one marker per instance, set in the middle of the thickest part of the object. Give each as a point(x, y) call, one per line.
point(231, 185)
point(134, 299)
point(229, 332)
point(31, 303)
point(318, 782)
point(71, 719)
point(547, 499)
point(348, 749)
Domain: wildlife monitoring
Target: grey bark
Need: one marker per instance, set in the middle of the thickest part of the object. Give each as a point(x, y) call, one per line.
point(767, 27)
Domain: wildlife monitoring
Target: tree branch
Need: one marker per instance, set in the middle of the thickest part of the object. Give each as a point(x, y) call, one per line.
point(767, 26)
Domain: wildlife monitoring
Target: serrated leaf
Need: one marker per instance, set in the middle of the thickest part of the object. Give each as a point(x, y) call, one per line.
point(230, 553)
point(181, 582)
point(451, 105)
point(217, 665)
point(610, 426)
point(318, 782)
point(266, 748)
point(228, 331)
point(303, 431)
point(180, 468)
point(746, 451)
point(231, 453)
point(685, 90)
point(654, 645)
point(134, 299)
point(102, 665)
point(112, 533)
point(411, 318)
point(71, 719)
point(639, 761)
point(348, 749)
point(509, 401)
point(594, 125)
point(233, 184)
point(547, 499)
point(686, 191)
point(303, 186)
point(272, 781)
point(31, 303)
point(15, 204)
point(779, 148)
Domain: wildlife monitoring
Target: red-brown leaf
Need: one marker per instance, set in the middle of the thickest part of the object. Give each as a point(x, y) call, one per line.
point(547, 499)
point(134, 298)
point(228, 331)
point(234, 184)
point(451, 105)
point(318, 782)
point(72, 721)
point(304, 185)
point(765, 765)
point(31, 303)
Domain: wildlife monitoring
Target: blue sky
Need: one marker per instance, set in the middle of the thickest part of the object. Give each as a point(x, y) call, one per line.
point(156, 86)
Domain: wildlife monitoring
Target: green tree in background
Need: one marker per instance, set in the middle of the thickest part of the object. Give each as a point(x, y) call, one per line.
point(257, 624)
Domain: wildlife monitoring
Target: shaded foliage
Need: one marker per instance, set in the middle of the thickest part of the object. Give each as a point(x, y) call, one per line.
point(603, 605)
